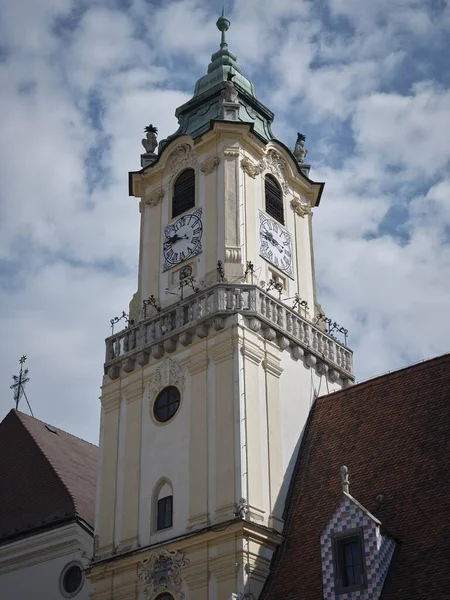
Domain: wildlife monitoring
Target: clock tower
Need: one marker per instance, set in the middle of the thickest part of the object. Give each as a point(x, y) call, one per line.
point(206, 392)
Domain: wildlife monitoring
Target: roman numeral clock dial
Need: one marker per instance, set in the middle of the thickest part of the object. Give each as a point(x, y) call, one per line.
point(275, 244)
point(182, 239)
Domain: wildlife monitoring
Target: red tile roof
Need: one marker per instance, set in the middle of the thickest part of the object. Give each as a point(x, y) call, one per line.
point(45, 477)
point(393, 433)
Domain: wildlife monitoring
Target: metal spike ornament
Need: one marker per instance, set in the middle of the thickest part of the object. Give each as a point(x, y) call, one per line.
point(20, 380)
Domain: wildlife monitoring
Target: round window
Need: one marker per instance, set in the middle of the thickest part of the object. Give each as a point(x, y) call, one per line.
point(166, 404)
point(71, 580)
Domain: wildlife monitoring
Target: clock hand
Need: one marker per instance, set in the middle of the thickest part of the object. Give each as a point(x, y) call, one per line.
point(272, 240)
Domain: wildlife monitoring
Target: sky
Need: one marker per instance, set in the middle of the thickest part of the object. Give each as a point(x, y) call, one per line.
point(368, 83)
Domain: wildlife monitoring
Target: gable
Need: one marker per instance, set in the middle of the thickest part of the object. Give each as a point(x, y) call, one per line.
point(377, 548)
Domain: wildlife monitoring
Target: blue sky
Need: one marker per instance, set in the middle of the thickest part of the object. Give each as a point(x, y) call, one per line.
point(367, 82)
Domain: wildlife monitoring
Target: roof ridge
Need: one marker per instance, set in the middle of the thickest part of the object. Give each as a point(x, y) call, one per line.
point(18, 414)
point(422, 364)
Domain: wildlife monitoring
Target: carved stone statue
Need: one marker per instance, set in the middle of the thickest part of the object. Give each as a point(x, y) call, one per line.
point(150, 142)
point(300, 151)
point(229, 93)
point(345, 479)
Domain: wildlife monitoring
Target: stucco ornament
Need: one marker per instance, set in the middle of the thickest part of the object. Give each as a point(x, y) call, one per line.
point(275, 163)
point(251, 168)
point(300, 208)
point(181, 158)
point(160, 572)
point(169, 372)
point(155, 198)
point(209, 165)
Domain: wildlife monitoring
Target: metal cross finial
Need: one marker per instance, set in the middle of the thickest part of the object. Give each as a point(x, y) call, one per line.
point(345, 479)
point(20, 380)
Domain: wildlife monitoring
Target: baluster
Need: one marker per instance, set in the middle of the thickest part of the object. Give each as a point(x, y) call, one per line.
point(109, 354)
point(262, 300)
point(221, 298)
point(173, 320)
point(307, 333)
point(252, 300)
point(295, 327)
point(339, 356)
point(199, 309)
point(237, 298)
point(320, 344)
point(289, 322)
point(209, 303)
point(133, 339)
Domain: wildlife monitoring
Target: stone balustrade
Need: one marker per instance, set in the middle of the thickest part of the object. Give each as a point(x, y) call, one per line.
point(196, 314)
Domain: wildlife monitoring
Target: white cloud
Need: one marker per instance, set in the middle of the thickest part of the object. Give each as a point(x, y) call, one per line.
point(76, 95)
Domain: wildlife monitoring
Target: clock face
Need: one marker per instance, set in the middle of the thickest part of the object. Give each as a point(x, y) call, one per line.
point(182, 239)
point(275, 244)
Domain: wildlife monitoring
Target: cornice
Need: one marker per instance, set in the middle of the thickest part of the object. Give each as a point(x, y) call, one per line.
point(251, 351)
point(111, 402)
point(197, 362)
point(47, 545)
point(272, 364)
point(222, 351)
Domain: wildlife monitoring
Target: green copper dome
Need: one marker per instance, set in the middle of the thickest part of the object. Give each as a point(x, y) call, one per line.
point(207, 103)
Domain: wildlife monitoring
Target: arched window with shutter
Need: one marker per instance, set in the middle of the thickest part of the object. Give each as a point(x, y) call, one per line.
point(274, 199)
point(183, 192)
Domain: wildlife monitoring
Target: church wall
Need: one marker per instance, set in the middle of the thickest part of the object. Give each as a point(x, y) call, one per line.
point(32, 566)
point(164, 454)
point(297, 387)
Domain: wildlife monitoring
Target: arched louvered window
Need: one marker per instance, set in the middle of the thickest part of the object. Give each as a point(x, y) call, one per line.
point(183, 192)
point(274, 199)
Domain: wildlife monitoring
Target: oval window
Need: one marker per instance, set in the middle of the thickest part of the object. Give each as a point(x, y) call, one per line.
point(71, 580)
point(166, 404)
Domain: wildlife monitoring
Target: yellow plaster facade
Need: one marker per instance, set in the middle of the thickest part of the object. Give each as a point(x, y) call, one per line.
point(245, 366)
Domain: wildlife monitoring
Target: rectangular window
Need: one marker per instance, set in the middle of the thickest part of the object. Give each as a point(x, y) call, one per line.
point(164, 512)
point(349, 564)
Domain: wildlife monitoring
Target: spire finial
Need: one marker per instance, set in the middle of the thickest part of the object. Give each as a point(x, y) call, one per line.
point(223, 24)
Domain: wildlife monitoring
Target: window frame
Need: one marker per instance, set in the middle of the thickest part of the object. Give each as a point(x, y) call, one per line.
point(62, 577)
point(337, 541)
point(275, 183)
point(174, 214)
point(159, 504)
point(158, 397)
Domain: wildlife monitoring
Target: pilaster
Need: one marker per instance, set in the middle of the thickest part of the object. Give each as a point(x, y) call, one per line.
point(273, 371)
point(110, 400)
point(233, 257)
point(222, 354)
point(252, 356)
point(133, 394)
point(198, 476)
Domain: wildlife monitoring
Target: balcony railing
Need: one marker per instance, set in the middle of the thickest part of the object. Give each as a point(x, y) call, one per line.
point(195, 314)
